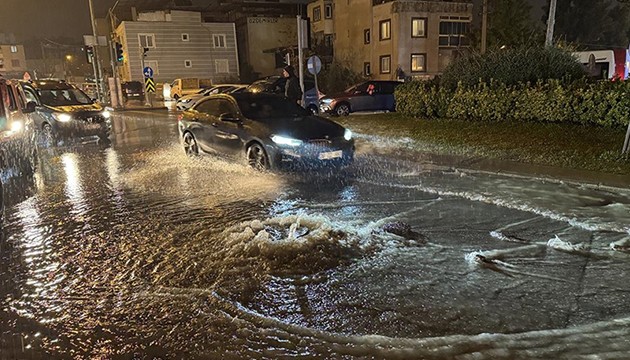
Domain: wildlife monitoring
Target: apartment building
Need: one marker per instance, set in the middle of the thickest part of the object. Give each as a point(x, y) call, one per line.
point(12, 60)
point(179, 45)
point(375, 37)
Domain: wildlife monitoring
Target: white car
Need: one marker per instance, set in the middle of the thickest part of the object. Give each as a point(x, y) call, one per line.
point(186, 102)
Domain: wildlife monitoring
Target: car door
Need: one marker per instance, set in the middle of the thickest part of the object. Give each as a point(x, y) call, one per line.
point(38, 116)
point(205, 115)
point(229, 131)
point(386, 95)
point(360, 99)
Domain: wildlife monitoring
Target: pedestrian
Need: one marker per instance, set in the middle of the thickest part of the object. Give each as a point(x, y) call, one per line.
point(292, 89)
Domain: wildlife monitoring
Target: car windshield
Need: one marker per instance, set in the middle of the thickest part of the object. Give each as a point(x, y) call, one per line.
point(270, 108)
point(63, 97)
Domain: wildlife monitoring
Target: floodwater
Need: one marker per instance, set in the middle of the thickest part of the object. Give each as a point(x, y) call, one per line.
point(131, 250)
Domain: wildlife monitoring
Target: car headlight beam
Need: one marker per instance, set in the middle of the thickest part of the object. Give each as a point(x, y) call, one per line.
point(287, 141)
point(17, 126)
point(347, 134)
point(63, 117)
point(106, 114)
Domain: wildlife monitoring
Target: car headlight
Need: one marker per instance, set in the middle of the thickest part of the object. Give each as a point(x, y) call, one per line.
point(326, 101)
point(17, 126)
point(106, 114)
point(347, 134)
point(282, 140)
point(63, 117)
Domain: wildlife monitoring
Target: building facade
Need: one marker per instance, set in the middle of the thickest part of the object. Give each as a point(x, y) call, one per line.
point(262, 39)
point(12, 60)
point(179, 45)
point(376, 37)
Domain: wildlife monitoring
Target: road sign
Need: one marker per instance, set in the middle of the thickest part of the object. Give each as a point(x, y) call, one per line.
point(314, 65)
point(148, 72)
point(149, 84)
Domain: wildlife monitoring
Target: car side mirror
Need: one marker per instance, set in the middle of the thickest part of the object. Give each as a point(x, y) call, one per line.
point(228, 117)
point(30, 107)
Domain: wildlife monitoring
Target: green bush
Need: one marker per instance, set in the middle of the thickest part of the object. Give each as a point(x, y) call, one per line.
point(513, 66)
point(602, 103)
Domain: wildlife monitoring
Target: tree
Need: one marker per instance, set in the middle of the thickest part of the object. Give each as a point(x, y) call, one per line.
point(592, 23)
point(510, 24)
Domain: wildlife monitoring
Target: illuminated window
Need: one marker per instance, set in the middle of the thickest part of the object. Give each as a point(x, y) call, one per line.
point(385, 28)
point(419, 27)
point(418, 62)
point(14, 49)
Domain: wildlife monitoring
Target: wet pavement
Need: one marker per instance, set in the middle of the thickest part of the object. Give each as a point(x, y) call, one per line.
point(131, 250)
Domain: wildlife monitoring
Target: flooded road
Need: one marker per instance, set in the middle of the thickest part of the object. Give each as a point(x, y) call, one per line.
point(132, 250)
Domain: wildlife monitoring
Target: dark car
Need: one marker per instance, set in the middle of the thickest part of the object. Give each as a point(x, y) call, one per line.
point(275, 85)
point(371, 95)
point(62, 111)
point(132, 90)
point(267, 130)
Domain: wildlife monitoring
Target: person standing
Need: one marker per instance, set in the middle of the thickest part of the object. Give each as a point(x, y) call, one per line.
point(292, 89)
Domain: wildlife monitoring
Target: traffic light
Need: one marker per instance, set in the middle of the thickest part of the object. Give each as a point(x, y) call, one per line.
point(89, 53)
point(119, 52)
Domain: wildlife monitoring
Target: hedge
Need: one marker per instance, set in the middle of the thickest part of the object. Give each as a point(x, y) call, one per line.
point(605, 103)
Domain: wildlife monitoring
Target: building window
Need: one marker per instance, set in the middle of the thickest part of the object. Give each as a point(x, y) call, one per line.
point(317, 13)
point(453, 33)
point(219, 40)
point(188, 63)
point(366, 36)
point(15, 63)
point(328, 11)
point(386, 62)
point(185, 37)
point(366, 69)
point(385, 30)
point(14, 49)
point(418, 62)
point(419, 27)
point(328, 40)
point(1, 63)
point(222, 66)
point(146, 40)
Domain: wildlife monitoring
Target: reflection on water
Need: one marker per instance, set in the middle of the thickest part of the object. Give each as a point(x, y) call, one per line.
point(135, 249)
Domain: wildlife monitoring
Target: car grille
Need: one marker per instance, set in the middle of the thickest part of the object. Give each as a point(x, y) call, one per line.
point(90, 118)
point(320, 143)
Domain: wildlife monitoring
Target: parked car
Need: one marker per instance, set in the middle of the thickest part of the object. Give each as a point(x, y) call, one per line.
point(374, 95)
point(187, 86)
point(185, 102)
point(133, 90)
point(17, 129)
point(60, 110)
point(266, 130)
point(275, 85)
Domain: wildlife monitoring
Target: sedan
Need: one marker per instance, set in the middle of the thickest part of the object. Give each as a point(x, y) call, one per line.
point(267, 131)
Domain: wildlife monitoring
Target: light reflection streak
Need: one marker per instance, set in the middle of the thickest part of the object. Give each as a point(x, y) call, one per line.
point(74, 189)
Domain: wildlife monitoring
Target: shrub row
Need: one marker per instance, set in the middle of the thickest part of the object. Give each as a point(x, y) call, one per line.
point(601, 103)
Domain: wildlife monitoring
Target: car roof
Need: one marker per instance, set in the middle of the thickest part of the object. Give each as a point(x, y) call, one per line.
point(50, 84)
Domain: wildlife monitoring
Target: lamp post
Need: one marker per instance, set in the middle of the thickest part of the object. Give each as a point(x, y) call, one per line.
point(97, 68)
point(551, 22)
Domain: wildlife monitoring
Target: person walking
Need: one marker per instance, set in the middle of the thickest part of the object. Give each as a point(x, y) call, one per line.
point(292, 89)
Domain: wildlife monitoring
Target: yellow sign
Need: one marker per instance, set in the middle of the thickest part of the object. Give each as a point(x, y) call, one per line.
point(149, 85)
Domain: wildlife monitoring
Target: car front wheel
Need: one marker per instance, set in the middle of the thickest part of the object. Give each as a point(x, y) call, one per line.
point(190, 145)
point(257, 157)
point(342, 110)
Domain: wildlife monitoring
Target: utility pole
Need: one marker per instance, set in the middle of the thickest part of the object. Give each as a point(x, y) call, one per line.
point(551, 22)
point(484, 26)
point(97, 64)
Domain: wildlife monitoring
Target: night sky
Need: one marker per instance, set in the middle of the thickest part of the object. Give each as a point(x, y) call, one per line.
point(28, 19)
